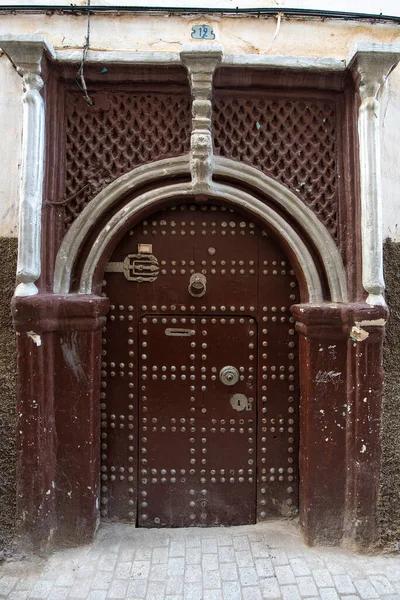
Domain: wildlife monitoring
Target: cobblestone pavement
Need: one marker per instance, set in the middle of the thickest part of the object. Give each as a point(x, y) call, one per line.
point(264, 561)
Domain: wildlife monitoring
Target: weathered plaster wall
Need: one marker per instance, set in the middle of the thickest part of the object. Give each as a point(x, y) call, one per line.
point(10, 146)
point(166, 33)
point(390, 140)
point(389, 511)
point(8, 252)
point(10, 160)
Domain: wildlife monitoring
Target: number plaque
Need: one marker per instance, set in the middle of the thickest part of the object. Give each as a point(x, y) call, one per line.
point(202, 32)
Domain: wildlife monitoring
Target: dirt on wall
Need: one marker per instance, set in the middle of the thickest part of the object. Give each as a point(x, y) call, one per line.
point(389, 506)
point(8, 252)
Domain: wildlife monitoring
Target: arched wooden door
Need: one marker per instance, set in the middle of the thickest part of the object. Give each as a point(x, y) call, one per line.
point(199, 373)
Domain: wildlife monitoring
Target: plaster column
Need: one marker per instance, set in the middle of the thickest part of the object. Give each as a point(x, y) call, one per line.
point(201, 63)
point(59, 348)
point(371, 63)
point(364, 413)
point(26, 54)
point(323, 396)
point(340, 414)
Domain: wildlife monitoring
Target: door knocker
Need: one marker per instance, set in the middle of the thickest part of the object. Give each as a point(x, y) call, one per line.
point(197, 285)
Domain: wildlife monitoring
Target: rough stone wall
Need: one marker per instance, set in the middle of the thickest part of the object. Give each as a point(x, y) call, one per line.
point(8, 252)
point(389, 504)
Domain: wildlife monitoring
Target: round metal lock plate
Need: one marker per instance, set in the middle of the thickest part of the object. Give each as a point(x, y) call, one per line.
point(229, 375)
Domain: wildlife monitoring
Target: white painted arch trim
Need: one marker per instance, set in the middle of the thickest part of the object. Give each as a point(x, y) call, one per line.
point(254, 206)
point(78, 231)
point(327, 249)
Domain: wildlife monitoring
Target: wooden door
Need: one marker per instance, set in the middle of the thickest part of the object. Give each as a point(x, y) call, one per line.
point(199, 373)
point(197, 421)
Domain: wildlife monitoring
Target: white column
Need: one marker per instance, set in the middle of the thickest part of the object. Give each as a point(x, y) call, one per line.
point(201, 62)
point(371, 63)
point(26, 54)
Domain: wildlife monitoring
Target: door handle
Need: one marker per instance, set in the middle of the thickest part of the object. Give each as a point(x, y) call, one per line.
point(229, 375)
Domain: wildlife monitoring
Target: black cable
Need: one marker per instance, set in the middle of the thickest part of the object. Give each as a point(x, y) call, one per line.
point(294, 12)
point(80, 77)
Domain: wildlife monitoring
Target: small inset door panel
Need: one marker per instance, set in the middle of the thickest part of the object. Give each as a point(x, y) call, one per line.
point(197, 442)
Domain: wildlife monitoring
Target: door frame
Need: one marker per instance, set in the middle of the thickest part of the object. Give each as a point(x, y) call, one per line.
point(58, 330)
point(339, 478)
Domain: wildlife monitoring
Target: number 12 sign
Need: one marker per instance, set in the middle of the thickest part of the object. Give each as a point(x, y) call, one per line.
point(202, 32)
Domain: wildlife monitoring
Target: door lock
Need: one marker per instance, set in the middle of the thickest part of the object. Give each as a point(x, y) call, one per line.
point(229, 375)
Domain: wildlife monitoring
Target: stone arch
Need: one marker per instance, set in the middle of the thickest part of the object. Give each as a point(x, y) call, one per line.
point(232, 172)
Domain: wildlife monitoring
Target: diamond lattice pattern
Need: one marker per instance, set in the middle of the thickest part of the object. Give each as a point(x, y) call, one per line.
point(130, 129)
point(294, 141)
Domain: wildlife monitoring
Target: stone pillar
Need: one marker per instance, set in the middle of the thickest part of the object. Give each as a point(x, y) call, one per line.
point(366, 327)
point(340, 410)
point(201, 63)
point(26, 54)
point(59, 343)
point(322, 454)
point(371, 63)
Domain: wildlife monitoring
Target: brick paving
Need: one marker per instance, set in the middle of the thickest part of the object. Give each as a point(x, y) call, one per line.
point(261, 562)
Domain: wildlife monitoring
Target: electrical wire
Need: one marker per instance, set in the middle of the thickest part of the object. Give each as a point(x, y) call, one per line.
point(80, 77)
point(278, 26)
point(288, 12)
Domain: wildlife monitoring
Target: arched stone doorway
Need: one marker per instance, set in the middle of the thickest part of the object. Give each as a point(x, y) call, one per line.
point(60, 317)
point(72, 318)
point(87, 250)
point(199, 399)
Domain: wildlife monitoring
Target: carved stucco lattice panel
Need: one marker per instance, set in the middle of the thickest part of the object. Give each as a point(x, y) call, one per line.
point(293, 141)
point(122, 131)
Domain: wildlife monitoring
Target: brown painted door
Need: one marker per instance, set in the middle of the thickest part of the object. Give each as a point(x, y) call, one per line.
point(197, 423)
point(179, 446)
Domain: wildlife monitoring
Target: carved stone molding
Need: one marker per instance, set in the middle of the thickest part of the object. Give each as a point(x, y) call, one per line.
point(201, 63)
point(26, 54)
point(283, 198)
point(294, 63)
point(371, 65)
point(277, 223)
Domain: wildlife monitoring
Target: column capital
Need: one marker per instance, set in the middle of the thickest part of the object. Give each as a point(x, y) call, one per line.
point(52, 312)
point(335, 320)
point(371, 64)
point(26, 52)
point(201, 62)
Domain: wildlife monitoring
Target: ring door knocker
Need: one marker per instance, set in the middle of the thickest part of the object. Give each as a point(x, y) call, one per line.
point(197, 285)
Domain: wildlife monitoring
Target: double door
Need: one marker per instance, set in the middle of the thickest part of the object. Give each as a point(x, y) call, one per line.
point(199, 398)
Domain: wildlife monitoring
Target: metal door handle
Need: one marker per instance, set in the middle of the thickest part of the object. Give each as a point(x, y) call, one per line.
point(229, 375)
